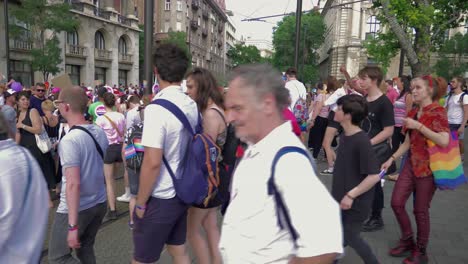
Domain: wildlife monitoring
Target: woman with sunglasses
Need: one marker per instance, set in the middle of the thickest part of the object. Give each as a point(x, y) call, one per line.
point(202, 88)
point(28, 125)
point(427, 121)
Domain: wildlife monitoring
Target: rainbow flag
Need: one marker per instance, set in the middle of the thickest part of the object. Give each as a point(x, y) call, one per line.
point(138, 146)
point(446, 164)
point(130, 151)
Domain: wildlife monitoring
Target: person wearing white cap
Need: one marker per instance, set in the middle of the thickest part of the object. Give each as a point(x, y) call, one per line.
point(8, 110)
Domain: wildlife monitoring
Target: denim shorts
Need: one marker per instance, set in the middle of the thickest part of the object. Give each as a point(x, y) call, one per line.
point(455, 127)
point(164, 222)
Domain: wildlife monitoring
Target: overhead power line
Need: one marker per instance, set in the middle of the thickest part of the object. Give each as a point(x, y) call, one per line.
point(292, 13)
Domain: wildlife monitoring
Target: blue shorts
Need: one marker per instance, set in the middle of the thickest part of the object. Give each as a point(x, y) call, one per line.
point(455, 127)
point(164, 222)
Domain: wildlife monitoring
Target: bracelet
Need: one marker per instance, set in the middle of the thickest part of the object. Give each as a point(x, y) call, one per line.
point(23, 127)
point(72, 227)
point(419, 129)
point(349, 196)
point(141, 207)
point(393, 157)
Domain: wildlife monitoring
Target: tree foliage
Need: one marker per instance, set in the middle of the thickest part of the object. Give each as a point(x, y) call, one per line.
point(418, 26)
point(312, 36)
point(39, 22)
point(242, 54)
point(179, 39)
point(453, 56)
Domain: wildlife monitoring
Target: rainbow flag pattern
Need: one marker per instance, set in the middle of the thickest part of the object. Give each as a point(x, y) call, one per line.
point(138, 146)
point(130, 151)
point(446, 164)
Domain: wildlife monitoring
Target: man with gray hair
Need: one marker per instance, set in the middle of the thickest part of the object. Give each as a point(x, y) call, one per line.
point(266, 221)
point(24, 202)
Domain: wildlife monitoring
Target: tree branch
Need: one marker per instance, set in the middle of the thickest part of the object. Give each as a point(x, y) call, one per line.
point(400, 33)
point(438, 31)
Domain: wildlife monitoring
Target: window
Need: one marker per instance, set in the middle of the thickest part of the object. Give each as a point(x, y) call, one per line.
point(72, 38)
point(74, 73)
point(212, 28)
point(373, 26)
point(21, 72)
point(178, 26)
point(167, 25)
point(179, 5)
point(99, 42)
point(123, 77)
point(167, 5)
point(199, 21)
point(122, 46)
point(100, 74)
point(187, 11)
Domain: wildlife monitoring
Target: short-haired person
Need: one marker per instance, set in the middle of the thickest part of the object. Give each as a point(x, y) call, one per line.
point(457, 109)
point(378, 125)
point(318, 120)
point(428, 121)
point(98, 109)
point(297, 91)
point(83, 197)
point(250, 232)
point(160, 216)
point(113, 124)
point(23, 201)
point(355, 174)
point(8, 110)
point(202, 88)
point(37, 97)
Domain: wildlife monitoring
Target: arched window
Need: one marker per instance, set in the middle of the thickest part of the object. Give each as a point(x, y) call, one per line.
point(122, 46)
point(373, 26)
point(72, 38)
point(99, 42)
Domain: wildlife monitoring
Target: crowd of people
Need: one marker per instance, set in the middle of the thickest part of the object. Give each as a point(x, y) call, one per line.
point(363, 124)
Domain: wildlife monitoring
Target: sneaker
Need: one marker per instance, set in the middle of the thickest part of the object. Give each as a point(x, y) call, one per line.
point(373, 224)
point(418, 256)
point(124, 198)
point(111, 215)
point(327, 172)
point(404, 247)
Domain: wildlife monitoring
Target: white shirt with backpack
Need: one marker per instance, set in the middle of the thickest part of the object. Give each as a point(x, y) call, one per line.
point(164, 131)
point(296, 90)
point(455, 109)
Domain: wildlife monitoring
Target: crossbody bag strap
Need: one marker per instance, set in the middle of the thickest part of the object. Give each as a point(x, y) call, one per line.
point(98, 147)
point(114, 126)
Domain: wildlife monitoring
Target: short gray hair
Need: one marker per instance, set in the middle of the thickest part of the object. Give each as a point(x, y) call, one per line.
point(263, 79)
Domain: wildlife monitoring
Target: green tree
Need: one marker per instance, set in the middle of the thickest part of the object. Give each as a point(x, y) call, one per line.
point(179, 39)
point(417, 26)
point(42, 22)
point(313, 30)
point(242, 54)
point(452, 57)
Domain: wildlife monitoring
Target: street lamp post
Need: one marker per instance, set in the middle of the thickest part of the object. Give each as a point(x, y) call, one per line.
point(148, 34)
point(298, 32)
point(7, 38)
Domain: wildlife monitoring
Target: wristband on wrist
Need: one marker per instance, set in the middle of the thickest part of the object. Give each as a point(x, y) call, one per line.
point(349, 196)
point(141, 207)
point(72, 227)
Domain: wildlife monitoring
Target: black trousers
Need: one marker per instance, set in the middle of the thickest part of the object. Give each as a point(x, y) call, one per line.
point(352, 237)
point(316, 135)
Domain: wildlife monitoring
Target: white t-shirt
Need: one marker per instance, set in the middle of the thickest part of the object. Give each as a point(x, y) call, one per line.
point(331, 101)
point(296, 90)
point(163, 130)
point(250, 232)
point(455, 109)
point(132, 118)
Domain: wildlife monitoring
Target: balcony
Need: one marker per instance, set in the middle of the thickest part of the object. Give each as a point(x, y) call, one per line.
point(205, 14)
point(21, 45)
point(194, 24)
point(75, 50)
point(77, 6)
point(101, 13)
point(125, 58)
point(205, 32)
point(195, 4)
point(100, 54)
point(124, 21)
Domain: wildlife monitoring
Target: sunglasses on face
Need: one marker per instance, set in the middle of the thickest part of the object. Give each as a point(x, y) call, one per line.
point(40, 90)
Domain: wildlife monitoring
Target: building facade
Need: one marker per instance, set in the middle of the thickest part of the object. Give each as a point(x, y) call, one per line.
point(103, 48)
point(348, 27)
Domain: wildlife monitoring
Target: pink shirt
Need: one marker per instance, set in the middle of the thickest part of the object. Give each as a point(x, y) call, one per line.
point(392, 94)
point(288, 115)
point(111, 134)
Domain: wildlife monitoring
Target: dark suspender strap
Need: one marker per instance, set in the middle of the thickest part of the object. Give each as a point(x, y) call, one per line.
point(99, 149)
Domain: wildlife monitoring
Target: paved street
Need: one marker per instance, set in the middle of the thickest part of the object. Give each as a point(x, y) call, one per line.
point(448, 243)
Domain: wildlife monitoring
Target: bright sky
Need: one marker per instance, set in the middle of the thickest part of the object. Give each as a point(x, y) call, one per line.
point(257, 8)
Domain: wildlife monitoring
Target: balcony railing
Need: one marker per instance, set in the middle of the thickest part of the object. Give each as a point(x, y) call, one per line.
point(101, 13)
point(124, 21)
point(195, 4)
point(125, 58)
point(102, 54)
point(75, 50)
point(77, 6)
point(194, 24)
point(20, 44)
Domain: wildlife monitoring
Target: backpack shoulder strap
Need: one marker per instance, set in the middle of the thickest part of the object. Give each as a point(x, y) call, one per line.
point(171, 107)
point(99, 149)
point(282, 212)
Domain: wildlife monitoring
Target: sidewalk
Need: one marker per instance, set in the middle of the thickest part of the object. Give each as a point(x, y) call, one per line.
point(448, 242)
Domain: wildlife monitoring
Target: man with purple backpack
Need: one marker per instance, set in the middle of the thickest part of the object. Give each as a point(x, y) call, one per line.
point(160, 216)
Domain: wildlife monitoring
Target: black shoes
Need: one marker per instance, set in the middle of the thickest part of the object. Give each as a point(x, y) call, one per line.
point(373, 224)
point(111, 215)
